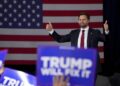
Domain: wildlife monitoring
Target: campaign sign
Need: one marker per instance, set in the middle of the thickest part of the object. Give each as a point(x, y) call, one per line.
point(11, 77)
point(3, 54)
point(77, 64)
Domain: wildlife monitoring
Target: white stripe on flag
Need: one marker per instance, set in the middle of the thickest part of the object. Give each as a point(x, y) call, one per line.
point(36, 31)
point(70, 19)
point(29, 44)
point(72, 7)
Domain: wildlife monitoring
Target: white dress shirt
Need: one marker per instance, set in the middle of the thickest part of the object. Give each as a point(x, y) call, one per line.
point(51, 32)
point(85, 37)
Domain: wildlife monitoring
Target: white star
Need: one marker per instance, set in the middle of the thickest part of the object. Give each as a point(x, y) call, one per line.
point(1, 14)
point(14, 1)
point(33, 11)
point(33, 20)
point(10, 23)
point(19, 15)
point(19, 24)
point(5, 10)
point(24, 11)
point(1, 23)
point(38, 6)
point(1, 5)
point(38, 24)
point(24, 19)
point(29, 24)
point(5, 19)
point(15, 19)
point(10, 15)
point(33, 2)
point(10, 6)
point(38, 15)
point(5, 1)
point(19, 6)
point(24, 2)
point(14, 10)
point(28, 15)
point(29, 6)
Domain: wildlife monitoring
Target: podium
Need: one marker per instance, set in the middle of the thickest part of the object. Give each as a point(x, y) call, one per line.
point(77, 64)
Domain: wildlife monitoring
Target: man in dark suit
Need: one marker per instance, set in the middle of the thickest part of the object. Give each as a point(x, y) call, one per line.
point(85, 37)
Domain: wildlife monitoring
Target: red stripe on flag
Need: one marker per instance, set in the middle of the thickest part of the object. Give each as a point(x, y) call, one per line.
point(25, 38)
point(31, 50)
point(29, 62)
point(21, 50)
point(72, 13)
point(74, 25)
point(20, 62)
point(72, 1)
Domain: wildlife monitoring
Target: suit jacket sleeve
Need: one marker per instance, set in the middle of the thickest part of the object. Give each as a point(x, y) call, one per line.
point(101, 37)
point(61, 38)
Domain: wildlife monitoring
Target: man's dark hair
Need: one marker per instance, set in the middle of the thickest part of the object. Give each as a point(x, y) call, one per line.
point(86, 14)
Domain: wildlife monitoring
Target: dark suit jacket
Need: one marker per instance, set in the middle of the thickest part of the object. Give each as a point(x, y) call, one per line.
point(94, 36)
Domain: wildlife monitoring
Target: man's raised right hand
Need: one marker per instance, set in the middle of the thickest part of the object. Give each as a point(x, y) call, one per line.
point(49, 27)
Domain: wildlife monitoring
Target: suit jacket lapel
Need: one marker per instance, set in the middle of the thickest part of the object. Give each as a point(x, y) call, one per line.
point(76, 37)
point(89, 38)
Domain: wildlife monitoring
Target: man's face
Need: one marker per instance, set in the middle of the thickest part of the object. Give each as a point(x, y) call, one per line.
point(83, 21)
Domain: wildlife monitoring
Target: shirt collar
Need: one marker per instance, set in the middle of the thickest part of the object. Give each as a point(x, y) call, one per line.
point(87, 28)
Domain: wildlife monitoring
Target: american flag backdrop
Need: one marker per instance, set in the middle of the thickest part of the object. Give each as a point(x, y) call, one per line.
point(22, 24)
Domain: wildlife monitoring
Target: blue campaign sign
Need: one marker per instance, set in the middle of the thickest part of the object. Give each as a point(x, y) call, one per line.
point(11, 77)
point(3, 54)
point(78, 64)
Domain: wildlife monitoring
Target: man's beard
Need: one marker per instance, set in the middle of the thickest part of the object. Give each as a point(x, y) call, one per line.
point(83, 26)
